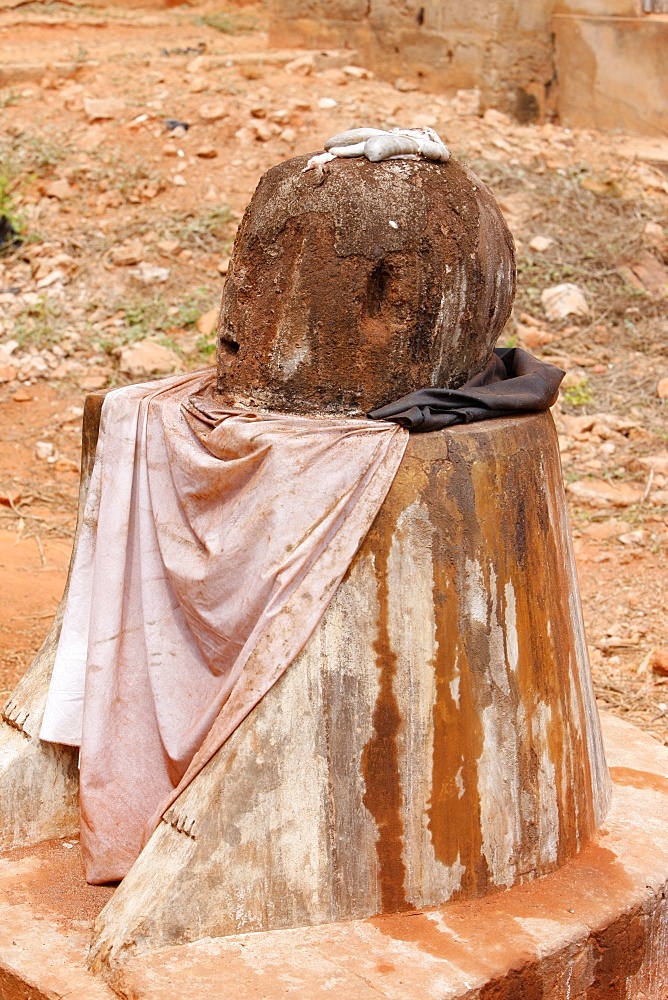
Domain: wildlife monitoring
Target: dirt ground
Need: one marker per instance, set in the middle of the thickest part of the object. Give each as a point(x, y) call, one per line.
point(127, 221)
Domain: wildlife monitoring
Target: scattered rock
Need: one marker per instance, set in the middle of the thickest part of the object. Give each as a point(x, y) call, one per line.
point(207, 322)
point(646, 273)
point(33, 367)
point(659, 498)
point(223, 265)
point(9, 498)
point(601, 493)
point(22, 396)
point(8, 348)
point(198, 65)
point(168, 246)
point(147, 357)
point(67, 369)
point(302, 66)
point(659, 463)
point(541, 243)
point(176, 127)
point(207, 152)
point(127, 254)
point(662, 388)
point(658, 662)
point(67, 465)
point(179, 180)
point(533, 336)
point(150, 274)
point(213, 111)
point(636, 537)
point(516, 207)
point(60, 190)
point(263, 130)
point(44, 450)
point(466, 102)
point(654, 236)
point(561, 301)
point(244, 137)
point(327, 103)
point(358, 72)
point(52, 278)
point(7, 373)
point(137, 122)
point(300, 104)
point(198, 85)
point(405, 86)
point(498, 119)
point(334, 76)
point(102, 108)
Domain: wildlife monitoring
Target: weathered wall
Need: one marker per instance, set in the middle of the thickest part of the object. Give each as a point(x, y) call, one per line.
point(503, 48)
point(446, 45)
point(611, 66)
point(595, 63)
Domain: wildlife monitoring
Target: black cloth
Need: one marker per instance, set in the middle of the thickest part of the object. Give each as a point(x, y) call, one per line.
point(511, 382)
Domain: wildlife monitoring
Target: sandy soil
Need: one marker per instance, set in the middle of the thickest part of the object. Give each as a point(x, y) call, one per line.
point(127, 227)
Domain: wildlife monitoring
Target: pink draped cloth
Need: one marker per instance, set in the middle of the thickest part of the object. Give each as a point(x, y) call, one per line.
point(213, 540)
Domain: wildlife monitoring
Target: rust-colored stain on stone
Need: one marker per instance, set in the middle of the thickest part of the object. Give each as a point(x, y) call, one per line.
point(644, 780)
point(454, 809)
point(418, 929)
point(512, 659)
point(616, 953)
point(383, 795)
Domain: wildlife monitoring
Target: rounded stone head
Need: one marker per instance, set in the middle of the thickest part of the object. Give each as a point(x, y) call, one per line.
point(351, 287)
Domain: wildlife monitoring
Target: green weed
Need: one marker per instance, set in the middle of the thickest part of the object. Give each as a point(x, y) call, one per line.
point(191, 307)
point(579, 394)
point(208, 230)
point(8, 98)
point(40, 154)
point(206, 347)
point(509, 341)
point(146, 317)
point(39, 324)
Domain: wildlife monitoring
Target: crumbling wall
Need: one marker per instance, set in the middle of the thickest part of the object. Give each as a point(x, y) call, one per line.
point(611, 62)
point(502, 47)
point(593, 63)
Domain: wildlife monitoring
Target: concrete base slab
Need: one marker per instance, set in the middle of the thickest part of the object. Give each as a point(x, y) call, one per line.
point(596, 929)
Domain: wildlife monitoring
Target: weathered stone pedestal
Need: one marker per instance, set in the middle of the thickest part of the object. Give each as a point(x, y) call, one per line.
point(436, 739)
